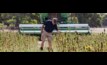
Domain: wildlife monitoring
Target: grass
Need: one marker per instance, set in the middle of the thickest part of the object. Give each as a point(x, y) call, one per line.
point(81, 43)
point(63, 42)
point(15, 42)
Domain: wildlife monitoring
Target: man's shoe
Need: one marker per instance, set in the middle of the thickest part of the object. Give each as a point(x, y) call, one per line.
point(41, 48)
point(50, 50)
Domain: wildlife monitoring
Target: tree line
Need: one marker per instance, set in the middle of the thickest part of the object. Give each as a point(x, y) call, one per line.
point(14, 19)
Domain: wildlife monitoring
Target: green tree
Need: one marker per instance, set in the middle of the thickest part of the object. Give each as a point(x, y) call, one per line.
point(93, 19)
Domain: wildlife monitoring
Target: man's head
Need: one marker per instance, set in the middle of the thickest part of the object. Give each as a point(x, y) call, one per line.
point(54, 20)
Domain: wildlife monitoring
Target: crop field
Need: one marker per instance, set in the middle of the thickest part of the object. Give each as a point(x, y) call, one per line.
point(81, 43)
point(63, 42)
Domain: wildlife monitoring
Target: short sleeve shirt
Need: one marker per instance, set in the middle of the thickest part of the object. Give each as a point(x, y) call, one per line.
point(49, 27)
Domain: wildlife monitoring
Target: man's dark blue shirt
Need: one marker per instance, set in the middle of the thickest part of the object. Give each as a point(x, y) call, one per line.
point(49, 27)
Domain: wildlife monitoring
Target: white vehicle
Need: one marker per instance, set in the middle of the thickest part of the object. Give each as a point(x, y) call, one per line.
point(72, 28)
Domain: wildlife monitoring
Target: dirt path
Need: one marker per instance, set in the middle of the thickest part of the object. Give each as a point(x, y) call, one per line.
point(98, 30)
point(45, 46)
point(94, 30)
point(7, 30)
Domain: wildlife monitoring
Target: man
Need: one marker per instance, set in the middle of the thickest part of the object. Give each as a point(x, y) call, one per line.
point(46, 32)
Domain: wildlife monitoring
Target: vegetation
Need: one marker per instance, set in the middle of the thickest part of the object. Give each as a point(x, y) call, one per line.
point(93, 19)
point(15, 42)
point(63, 42)
point(80, 43)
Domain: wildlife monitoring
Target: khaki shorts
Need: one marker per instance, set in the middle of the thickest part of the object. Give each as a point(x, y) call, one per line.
point(46, 35)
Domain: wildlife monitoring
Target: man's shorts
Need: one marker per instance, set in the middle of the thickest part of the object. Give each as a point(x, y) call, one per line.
point(46, 35)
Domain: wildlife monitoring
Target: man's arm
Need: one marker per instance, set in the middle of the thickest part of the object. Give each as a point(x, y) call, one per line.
point(57, 29)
